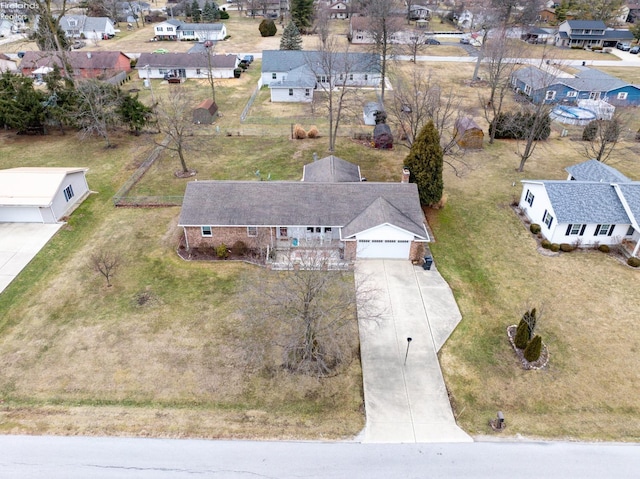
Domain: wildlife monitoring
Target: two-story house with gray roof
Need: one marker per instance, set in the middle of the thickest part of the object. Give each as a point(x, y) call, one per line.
point(596, 205)
point(589, 33)
point(91, 28)
point(293, 75)
point(330, 209)
point(587, 84)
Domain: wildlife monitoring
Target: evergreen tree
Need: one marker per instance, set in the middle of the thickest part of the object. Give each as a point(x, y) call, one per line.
point(533, 349)
point(209, 12)
point(195, 12)
point(291, 39)
point(302, 14)
point(187, 9)
point(21, 106)
point(133, 113)
point(425, 162)
point(267, 28)
point(522, 335)
point(49, 36)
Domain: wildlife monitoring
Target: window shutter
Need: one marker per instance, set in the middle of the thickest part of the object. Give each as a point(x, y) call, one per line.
point(597, 230)
point(568, 230)
point(550, 221)
point(544, 215)
point(582, 229)
point(611, 230)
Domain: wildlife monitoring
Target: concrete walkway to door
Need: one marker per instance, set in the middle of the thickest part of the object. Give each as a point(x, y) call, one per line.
point(406, 402)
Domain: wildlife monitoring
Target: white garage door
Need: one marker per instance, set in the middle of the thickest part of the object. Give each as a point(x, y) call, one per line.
point(383, 249)
point(15, 214)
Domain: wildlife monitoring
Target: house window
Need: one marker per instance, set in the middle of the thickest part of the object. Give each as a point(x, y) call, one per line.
point(604, 230)
point(197, 71)
point(68, 193)
point(366, 77)
point(630, 231)
point(594, 95)
point(575, 229)
point(527, 89)
point(550, 95)
point(169, 29)
point(290, 91)
point(252, 231)
point(529, 198)
point(327, 229)
point(341, 76)
point(283, 231)
point(274, 76)
point(572, 94)
point(351, 76)
point(307, 92)
point(206, 231)
point(547, 219)
point(622, 95)
point(163, 71)
point(160, 29)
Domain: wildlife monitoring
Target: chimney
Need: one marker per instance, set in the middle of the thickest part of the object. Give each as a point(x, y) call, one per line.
point(405, 175)
point(88, 54)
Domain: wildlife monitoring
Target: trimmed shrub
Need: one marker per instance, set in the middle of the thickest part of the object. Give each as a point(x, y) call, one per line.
point(222, 251)
point(535, 228)
point(313, 132)
point(530, 318)
point(555, 247)
point(299, 133)
point(224, 15)
point(533, 349)
point(566, 247)
point(545, 243)
point(240, 248)
point(604, 248)
point(522, 335)
point(590, 131)
point(633, 261)
point(267, 28)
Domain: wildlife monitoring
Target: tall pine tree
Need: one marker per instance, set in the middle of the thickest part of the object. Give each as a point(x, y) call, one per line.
point(302, 14)
point(196, 15)
point(425, 161)
point(291, 38)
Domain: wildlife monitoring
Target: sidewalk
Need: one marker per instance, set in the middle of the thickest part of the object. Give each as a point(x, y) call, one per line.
point(406, 403)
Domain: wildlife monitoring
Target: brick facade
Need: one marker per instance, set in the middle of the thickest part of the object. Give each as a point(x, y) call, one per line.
point(416, 252)
point(228, 235)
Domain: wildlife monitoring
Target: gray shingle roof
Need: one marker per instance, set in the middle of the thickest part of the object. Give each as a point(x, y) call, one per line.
point(378, 213)
point(594, 170)
point(331, 169)
point(271, 203)
point(587, 79)
point(300, 77)
point(585, 202)
point(631, 194)
point(286, 60)
point(77, 60)
point(185, 60)
point(588, 24)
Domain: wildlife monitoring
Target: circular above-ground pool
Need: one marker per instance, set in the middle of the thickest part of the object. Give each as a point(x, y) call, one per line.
point(572, 115)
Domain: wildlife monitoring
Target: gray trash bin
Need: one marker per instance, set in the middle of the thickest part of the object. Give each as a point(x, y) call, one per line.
point(428, 261)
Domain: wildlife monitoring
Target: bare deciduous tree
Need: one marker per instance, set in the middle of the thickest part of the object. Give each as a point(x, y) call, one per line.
point(303, 320)
point(333, 66)
point(97, 109)
point(105, 263)
point(174, 114)
point(605, 136)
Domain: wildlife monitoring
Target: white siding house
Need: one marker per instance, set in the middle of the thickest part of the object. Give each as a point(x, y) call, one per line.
point(596, 205)
point(185, 65)
point(40, 195)
point(177, 30)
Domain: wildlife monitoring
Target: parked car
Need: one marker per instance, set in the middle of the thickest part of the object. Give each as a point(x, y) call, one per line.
point(248, 59)
point(465, 41)
point(635, 50)
point(432, 41)
point(624, 46)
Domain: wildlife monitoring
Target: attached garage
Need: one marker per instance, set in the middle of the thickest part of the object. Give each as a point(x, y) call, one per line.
point(387, 249)
point(40, 195)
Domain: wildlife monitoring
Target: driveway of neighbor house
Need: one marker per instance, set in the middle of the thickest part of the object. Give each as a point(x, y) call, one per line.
point(405, 401)
point(19, 243)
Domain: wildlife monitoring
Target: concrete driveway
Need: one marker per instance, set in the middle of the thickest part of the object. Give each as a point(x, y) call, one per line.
point(405, 402)
point(19, 243)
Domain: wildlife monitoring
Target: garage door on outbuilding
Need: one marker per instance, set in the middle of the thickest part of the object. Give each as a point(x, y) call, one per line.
point(40, 195)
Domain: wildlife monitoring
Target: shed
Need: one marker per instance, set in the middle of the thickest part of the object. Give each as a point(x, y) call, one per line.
point(382, 137)
point(205, 112)
point(468, 134)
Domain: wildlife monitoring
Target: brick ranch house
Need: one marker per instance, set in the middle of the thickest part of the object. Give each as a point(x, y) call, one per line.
point(329, 209)
point(98, 64)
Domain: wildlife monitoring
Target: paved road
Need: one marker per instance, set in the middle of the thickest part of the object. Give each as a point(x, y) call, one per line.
point(406, 401)
point(33, 457)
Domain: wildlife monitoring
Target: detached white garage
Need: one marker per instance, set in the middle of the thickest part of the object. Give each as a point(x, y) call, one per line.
point(40, 195)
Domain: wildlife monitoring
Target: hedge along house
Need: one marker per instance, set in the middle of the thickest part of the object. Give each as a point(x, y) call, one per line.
point(596, 205)
point(186, 65)
point(588, 84)
point(468, 134)
point(348, 219)
point(40, 195)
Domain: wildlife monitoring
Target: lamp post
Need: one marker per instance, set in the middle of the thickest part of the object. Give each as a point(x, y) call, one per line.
point(407, 353)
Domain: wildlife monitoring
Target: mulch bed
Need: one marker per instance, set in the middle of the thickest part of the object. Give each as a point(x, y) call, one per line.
point(542, 361)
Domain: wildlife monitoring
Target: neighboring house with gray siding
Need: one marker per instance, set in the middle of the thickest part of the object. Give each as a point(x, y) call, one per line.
point(596, 205)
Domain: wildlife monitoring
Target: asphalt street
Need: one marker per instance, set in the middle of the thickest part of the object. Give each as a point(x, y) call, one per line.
point(35, 457)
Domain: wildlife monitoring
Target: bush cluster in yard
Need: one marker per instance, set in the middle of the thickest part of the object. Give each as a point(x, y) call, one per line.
point(634, 262)
point(555, 247)
point(516, 126)
point(222, 251)
point(604, 248)
point(533, 349)
point(545, 243)
point(566, 247)
point(535, 228)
